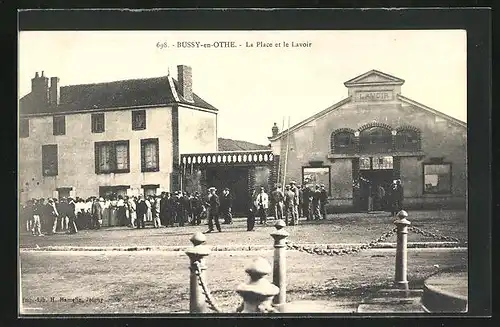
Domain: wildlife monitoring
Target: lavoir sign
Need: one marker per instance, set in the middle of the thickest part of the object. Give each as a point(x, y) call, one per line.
point(374, 96)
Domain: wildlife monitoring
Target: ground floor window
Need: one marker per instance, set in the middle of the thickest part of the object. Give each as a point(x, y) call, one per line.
point(111, 192)
point(437, 178)
point(150, 190)
point(312, 176)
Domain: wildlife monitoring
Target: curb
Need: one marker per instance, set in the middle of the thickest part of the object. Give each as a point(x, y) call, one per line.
point(411, 245)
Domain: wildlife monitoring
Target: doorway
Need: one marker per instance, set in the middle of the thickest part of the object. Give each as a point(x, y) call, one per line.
point(370, 185)
point(375, 177)
point(236, 180)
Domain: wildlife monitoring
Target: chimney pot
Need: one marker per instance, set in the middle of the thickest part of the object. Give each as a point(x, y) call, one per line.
point(275, 129)
point(54, 91)
point(185, 79)
point(36, 75)
point(42, 74)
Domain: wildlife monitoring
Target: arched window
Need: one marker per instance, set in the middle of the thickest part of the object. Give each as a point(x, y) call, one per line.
point(343, 142)
point(375, 139)
point(407, 140)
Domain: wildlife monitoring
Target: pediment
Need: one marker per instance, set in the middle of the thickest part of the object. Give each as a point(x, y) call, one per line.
point(374, 77)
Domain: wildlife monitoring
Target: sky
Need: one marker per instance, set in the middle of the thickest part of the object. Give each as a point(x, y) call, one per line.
point(253, 87)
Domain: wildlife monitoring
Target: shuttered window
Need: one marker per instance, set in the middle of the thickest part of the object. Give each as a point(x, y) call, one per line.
point(112, 157)
point(49, 160)
point(150, 160)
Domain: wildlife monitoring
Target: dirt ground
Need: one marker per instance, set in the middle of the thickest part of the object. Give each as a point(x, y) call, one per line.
point(339, 228)
point(109, 282)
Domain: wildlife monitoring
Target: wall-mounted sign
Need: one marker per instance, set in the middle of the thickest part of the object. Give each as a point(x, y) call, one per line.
point(374, 96)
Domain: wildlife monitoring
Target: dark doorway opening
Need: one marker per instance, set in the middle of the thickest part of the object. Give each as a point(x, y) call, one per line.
point(370, 187)
point(234, 178)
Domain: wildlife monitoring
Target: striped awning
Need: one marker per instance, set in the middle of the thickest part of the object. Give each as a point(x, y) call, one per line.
point(228, 158)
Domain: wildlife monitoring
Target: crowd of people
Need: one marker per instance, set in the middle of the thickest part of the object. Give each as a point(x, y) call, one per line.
point(290, 204)
point(48, 216)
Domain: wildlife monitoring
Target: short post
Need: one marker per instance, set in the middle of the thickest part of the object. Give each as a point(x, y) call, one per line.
point(196, 256)
point(401, 250)
point(259, 292)
point(279, 268)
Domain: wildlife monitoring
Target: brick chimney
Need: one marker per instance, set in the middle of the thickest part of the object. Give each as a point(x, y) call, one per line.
point(275, 130)
point(40, 89)
point(185, 78)
point(54, 92)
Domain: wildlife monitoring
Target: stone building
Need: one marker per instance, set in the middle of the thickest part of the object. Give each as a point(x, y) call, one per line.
point(119, 137)
point(370, 138)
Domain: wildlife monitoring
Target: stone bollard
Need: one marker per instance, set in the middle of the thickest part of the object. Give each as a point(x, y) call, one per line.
point(279, 271)
point(259, 292)
point(197, 254)
point(401, 250)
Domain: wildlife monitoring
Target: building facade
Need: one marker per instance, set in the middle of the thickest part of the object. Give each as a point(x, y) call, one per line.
point(370, 138)
point(122, 137)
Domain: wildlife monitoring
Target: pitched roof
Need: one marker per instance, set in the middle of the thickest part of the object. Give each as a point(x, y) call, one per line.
point(433, 111)
point(374, 77)
point(237, 145)
point(341, 103)
point(310, 119)
point(117, 94)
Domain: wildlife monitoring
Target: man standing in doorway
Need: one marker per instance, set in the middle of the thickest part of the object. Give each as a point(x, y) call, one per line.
point(213, 210)
point(262, 203)
point(306, 202)
point(226, 203)
point(315, 203)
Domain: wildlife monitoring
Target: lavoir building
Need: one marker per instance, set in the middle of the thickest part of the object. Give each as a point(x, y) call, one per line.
point(376, 134)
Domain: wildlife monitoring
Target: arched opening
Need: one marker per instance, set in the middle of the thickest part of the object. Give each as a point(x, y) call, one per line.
point(375, 139)
point(343, 142)
point(407, 140)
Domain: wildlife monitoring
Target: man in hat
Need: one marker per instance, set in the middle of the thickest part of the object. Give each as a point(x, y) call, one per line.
point(226, 203)
point(155, 208)
point(36, 211)
point(164, 208)
point(197, 206)
point(71, 214)
point(171, 209)
point(295, 190)
point(289, 198)
point(306, 202)
point(213, 210)
point(251, 212)
point(97, 211)
point(323, 199)
point(277, 197)
point(262, 203)
point(53, 214)
point(142, 209)
point(315, 203)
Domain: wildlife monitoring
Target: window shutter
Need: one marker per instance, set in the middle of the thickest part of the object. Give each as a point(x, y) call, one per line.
point(143, 156)
point(55, 160)
point(96, 157)
point(157, 145)
point(112, 156)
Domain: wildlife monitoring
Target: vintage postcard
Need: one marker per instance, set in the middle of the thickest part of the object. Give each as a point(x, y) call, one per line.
point(179, 172)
